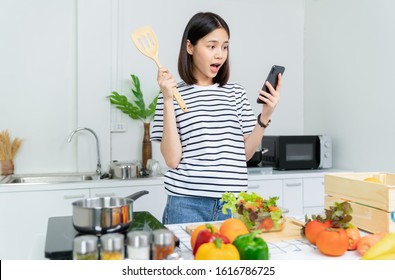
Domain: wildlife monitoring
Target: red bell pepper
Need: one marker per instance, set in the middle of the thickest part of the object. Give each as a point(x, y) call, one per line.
point(208, 235)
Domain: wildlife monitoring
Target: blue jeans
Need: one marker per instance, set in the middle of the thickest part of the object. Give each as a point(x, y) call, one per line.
point(181, 209)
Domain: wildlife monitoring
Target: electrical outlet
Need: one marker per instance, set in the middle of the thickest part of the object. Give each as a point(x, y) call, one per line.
point(118, 127)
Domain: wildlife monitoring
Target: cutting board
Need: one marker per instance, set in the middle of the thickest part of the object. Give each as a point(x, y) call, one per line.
point(291, 231)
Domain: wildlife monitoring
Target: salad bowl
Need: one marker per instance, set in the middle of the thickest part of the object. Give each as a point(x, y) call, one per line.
point(256, 212)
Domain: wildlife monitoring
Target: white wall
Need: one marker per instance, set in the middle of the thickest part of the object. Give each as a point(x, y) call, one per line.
point(60, 59)
point(38, 81)
point(94, 68)
point(349, 84)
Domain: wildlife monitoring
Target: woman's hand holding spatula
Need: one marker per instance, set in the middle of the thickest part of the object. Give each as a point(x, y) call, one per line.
point(145, 40)
point(167, 83)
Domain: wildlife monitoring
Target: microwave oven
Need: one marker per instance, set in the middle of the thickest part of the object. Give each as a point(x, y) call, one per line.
point(292, 152)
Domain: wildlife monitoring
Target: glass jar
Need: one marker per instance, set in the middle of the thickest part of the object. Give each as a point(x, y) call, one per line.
point(139, 245)
point(112, 245)
point(163, 244)
point(85, 247)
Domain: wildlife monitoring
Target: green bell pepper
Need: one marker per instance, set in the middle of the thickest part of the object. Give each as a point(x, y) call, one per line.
point(251, 247)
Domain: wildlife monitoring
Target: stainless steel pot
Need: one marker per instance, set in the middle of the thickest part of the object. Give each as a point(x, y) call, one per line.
point(124, 169)
point(104, 214)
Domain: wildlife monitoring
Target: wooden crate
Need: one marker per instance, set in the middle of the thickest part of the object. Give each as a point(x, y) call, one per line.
point(373, 203)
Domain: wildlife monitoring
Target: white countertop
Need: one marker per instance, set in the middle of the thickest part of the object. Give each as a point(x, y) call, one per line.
point(268, 173)
point(300, 249)
point(21, 187)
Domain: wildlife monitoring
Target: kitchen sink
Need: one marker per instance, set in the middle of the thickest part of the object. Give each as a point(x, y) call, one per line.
point(50, 178)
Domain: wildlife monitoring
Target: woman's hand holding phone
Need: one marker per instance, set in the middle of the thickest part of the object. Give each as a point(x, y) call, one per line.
point(271, 85)
point(269, 95)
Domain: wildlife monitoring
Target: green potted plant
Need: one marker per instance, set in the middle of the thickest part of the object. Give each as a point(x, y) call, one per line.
point(136, 109)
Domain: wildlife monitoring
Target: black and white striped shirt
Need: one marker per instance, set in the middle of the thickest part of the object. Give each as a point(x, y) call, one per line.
point(211, 132)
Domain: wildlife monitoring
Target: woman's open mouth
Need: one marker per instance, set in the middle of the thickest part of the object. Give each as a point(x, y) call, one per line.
point(215, 67)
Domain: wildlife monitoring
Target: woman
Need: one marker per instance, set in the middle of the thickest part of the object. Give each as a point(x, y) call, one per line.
point(207, 147)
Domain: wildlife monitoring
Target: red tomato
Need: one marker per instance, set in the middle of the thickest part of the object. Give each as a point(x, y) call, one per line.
point(353, 238)
point(313, 228)
point(266, 224)
point(332, 242)
point(273, 208)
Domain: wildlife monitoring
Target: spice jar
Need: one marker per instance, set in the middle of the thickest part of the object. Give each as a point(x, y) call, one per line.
point(139, 245)
point(163, 243)
point(85, 248)
point(112, 246)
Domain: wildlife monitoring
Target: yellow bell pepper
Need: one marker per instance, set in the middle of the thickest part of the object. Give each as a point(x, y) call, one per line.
point(217, 251)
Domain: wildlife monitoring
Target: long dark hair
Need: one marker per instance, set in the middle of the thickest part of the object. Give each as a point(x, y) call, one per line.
point(199, 26)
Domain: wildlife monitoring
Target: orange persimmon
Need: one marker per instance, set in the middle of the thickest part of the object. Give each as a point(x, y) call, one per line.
point(313, 228)
point(332, 242)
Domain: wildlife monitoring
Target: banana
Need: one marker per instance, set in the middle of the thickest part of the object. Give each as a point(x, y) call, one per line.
point(385, 246)
point(385, 257)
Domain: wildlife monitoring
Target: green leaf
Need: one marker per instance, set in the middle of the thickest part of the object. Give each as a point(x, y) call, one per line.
point(152, 107)
point(339, 214)
point(135, 108)
point(229, 200)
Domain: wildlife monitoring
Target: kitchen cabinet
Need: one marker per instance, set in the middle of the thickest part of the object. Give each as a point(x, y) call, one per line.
point(313, 195)
point(293, 196)
point(267, 188)
point(25, 209)
point(290, 193)
point(24, 217)
point(301, 192)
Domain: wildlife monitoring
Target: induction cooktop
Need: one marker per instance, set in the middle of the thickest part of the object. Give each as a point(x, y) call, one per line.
point(61, 233)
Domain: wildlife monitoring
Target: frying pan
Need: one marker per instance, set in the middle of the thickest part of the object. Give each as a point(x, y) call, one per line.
point(145, 41)
point(101, 215)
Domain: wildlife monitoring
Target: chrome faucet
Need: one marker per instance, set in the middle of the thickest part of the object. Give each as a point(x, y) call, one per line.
point(98, 166)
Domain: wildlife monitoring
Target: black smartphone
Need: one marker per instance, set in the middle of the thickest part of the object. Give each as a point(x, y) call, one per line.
point(272, 78)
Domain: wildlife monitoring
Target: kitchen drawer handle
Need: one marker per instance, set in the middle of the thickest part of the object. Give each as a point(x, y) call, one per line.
point(254, 187)
point(104, 194)
point(76, 196)
point(293, 184)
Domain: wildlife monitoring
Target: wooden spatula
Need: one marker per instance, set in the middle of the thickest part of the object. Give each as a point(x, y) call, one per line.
point(145, 40)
